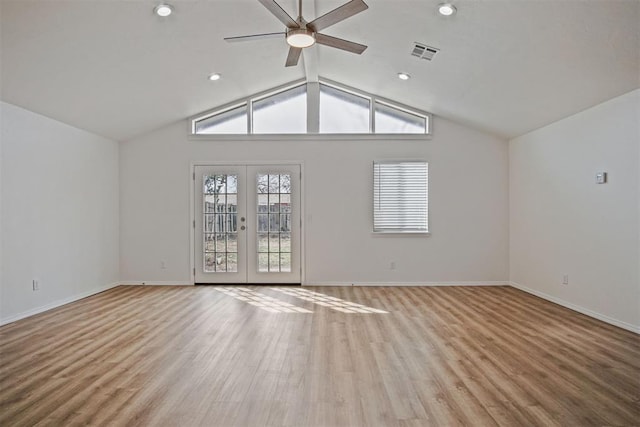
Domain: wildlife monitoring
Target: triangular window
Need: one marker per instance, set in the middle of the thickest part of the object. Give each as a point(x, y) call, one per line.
point(325, 108)
point(394, 120)
point(230, 121)
point(343, 112)
point(283, 112)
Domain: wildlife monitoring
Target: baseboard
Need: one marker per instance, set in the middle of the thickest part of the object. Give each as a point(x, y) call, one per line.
point(155, 283)
point(579, 309)
point(57, 303)
point(425, 284)
point(488, 283)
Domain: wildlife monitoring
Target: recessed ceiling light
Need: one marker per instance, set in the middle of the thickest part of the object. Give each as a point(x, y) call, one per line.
point(446, 9)
point(215, 76)
point(163, 10)
point(404, 76)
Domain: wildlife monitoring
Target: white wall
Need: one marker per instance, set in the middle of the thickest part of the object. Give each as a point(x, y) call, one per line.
point(59, 191)
point(468, 206)
point(562, 223)
point(1, 203)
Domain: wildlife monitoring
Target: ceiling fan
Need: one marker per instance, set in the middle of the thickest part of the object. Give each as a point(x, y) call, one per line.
point(301, 34)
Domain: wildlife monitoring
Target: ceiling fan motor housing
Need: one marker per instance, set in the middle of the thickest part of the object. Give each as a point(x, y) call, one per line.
point(300, 37)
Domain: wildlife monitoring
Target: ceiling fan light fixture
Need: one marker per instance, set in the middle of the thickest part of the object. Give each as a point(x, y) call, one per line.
point(300, 38)
point(446, 9)
point(163, 10)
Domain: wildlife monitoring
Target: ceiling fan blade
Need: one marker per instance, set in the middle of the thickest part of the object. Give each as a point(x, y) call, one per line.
point(293, 57)
point(254, 37)
point(279, 13)
point(340, 43)
point(336, 15)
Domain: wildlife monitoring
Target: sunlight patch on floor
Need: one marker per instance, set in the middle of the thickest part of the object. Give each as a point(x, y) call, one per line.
point(261, 301)
point(329, 301)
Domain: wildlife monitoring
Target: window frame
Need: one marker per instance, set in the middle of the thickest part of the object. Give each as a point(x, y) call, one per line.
point(248, 103)
point(407, 110)
point(391, 232)
point(228, 107)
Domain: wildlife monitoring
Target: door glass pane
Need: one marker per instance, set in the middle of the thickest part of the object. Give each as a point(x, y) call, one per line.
point(232, 202)
point(263, 262)
point(285, 262)
point(274, 262)
point(263, 223)
point(221, 262)
point(285, 222)
point(274, 203)
point(274, 222)
point(232, 243)
point(209, 242)
point(220, 219)
point(274, 242)
point(263, 203)
point(263, 183)
point(274, 206)
point(263, 243)
point(209, 221)
point(285, 184)
point(232, 262)
point(221, 244)
point(285, 242)
point(285, 203)
point(209, 262)
point(274, 184)
point(232, 184)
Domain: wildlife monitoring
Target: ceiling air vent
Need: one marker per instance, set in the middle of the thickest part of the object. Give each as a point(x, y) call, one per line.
point(423, 51)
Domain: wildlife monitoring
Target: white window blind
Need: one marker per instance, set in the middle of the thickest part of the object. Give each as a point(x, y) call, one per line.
point(400, 197)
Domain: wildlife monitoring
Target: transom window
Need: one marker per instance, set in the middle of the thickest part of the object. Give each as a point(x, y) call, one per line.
point(324, 108)
point(343, 112)
point(230, 121)
point(283, 112)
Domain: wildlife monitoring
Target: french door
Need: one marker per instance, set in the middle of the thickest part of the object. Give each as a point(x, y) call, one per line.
point(247, 224)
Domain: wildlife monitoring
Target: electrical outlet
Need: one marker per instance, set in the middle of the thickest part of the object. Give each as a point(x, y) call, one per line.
point(565, 279)
point(392, 265)
point(35, 284)
point(163, 265)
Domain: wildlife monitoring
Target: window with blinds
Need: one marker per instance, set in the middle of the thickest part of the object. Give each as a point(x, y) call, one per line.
point(400, 197)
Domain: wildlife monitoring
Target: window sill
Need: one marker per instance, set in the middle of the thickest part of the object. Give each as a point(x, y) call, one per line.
point(401, 233)
point(312, 137)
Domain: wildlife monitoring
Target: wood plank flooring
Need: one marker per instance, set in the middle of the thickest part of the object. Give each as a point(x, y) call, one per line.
point(191, 356)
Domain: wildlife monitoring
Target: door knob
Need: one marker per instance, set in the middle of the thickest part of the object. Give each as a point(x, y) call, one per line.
point(243, 227)
point(241, 219)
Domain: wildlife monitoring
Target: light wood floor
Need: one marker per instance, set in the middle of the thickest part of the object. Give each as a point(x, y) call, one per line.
point(183, 356)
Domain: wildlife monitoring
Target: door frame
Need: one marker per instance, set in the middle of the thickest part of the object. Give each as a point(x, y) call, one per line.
point(192, 210)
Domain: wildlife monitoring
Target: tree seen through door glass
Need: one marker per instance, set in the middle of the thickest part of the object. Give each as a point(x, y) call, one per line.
point(220, 219)
point(274, 222)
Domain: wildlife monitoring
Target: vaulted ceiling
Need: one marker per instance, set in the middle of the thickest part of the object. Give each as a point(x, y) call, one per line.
point(505, 66)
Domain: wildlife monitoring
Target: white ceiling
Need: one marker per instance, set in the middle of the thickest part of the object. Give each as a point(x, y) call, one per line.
point(506, 66)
